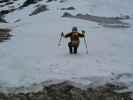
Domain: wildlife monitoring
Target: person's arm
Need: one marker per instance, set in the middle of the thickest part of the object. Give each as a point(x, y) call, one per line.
point(67, 35)
point(81, 34)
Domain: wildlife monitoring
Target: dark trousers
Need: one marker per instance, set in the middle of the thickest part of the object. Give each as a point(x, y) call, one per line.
point(72, 48)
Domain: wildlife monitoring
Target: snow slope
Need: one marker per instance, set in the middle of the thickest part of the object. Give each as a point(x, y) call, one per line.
point(94, 7)
point(32, 55)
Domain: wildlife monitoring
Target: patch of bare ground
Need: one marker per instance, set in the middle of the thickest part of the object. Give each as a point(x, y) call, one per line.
point(4, 34)
point(39, 9)
point(68, 91)
point(112, 22)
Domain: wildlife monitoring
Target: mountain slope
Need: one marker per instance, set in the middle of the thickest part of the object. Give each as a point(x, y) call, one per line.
point(32, 55)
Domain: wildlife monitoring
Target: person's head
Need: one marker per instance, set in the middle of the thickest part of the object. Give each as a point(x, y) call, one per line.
point(74, 29)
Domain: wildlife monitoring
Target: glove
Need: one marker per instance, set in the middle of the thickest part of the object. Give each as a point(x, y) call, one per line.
point(83, 32)
point(62, 34)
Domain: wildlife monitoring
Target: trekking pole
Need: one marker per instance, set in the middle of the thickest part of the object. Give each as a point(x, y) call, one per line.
point(85, 42)
point(86, 45)
point(59, 43)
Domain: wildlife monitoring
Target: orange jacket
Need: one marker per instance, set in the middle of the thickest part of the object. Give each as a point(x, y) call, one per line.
point(74, 36)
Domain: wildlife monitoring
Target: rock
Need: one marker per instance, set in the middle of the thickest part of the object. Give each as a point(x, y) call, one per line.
point(77, 94)
point(28, 2)
point(4, 33)
point(69, 8)
point(50, 1)
point(62, 1)
point(40, 9)
point(4, 1)
point(2, 19)
point(22, 96)
point(66, 14)
point(3, 12)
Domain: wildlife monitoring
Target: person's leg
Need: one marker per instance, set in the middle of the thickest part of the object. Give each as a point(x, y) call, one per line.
point(70, 48)
point(75, 50)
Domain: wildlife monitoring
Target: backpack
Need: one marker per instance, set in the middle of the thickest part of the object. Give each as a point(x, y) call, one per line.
point(75, 36)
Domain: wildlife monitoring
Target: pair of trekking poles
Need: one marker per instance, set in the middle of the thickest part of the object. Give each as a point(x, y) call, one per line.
point(60, 39)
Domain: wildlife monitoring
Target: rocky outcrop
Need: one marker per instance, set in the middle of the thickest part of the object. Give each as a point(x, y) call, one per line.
point(50, 1)
point(4, 32)
point(2, 19)
point(68, 8)
point(29, 2)
point(3, 12)
point(113, 22)
point(68, 91)
point(62, 1)
point(38, 10)
point(4, 1)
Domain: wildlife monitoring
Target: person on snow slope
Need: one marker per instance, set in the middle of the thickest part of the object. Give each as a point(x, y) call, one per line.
point(74, 39)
